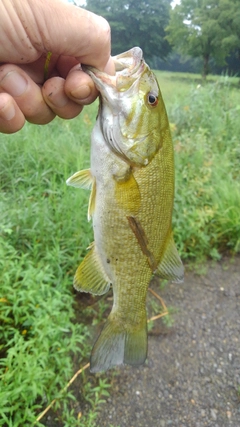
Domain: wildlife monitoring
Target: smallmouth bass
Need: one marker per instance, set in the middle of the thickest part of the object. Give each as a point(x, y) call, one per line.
point(132, 189)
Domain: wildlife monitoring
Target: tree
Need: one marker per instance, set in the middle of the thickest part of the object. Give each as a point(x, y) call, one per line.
point(229, 19)
point(195, 29)
point(136, 23)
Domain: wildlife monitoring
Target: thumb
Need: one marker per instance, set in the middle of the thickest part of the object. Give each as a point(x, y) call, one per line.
point(39, 26)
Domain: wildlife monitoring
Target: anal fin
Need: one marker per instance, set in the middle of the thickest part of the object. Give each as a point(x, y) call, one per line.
point(171, 267)
point(90, 275)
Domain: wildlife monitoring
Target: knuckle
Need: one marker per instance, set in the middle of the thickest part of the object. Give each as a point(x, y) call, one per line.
point(106, 29)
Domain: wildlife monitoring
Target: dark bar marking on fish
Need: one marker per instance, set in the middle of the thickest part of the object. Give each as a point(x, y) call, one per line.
point(143, 241)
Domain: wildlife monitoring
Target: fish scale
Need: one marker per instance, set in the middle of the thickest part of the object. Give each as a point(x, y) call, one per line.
point(131, 203)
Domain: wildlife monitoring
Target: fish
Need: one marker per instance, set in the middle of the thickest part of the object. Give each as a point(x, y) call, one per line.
point(131, 177)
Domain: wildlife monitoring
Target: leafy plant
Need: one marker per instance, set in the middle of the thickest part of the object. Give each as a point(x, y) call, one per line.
point(206, 215)
point(41, 239)
point(44, 234)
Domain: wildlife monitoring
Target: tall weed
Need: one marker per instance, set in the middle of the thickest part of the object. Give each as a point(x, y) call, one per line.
point(206, 132)
point(43, 233)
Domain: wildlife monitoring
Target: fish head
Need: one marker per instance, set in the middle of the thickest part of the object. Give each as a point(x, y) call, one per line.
point(132, 115)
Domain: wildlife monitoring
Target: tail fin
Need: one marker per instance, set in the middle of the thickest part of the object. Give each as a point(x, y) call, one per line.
point(116, 345)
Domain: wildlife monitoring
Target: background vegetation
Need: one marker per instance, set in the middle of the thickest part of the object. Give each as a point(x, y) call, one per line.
point(44, 233)
point(206, 30)
point(136, 23)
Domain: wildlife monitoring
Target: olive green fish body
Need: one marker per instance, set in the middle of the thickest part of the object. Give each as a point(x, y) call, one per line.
point(131, 202)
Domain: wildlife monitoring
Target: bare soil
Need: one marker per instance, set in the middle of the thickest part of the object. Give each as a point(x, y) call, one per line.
point(192, 376)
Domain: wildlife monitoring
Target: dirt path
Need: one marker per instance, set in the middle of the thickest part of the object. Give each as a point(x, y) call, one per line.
point(192, 377)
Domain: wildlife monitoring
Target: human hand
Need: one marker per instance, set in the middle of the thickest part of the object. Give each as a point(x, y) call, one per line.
point(29, 30)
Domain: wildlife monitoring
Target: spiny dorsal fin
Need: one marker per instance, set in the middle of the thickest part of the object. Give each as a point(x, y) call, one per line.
point(90, 275)
point(171, 267)
point(81, 179)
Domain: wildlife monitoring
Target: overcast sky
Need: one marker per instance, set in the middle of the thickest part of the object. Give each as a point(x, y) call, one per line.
point(83, 2)
point(174, 2)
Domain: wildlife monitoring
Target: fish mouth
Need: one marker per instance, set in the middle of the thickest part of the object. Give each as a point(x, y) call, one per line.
point(128, 67)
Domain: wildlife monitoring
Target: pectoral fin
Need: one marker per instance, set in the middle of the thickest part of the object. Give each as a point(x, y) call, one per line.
point(128, 194)
point(84, 179)
point(81, 179)
point(90, 275)
point(92, 200)
point(171, 267)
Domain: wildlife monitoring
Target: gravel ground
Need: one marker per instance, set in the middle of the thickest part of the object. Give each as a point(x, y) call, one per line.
point(192, 376)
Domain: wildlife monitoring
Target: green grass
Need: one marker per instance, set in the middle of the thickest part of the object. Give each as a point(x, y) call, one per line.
point(44, 234)
point(176, 86)
point(206, 133)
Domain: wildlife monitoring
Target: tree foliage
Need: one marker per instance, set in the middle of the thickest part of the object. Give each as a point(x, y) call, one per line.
point(229, 19)
point(136, 23)
point(196, 29)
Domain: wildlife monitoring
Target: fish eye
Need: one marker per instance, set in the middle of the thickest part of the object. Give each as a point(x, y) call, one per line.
point(152, 99)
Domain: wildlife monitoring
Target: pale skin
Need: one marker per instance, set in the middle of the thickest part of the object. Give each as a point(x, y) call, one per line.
point(29, 30)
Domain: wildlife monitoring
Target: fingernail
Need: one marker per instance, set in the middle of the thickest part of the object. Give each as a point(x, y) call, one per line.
point(14, 83)
point(81, 92)
point(7, 112)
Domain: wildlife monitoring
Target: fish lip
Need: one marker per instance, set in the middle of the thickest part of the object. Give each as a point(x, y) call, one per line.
point(128, 65)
